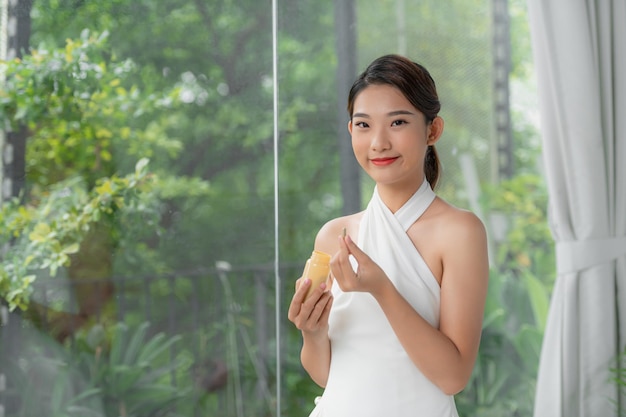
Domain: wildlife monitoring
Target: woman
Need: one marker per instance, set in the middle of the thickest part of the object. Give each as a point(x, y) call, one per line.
point(397, 334)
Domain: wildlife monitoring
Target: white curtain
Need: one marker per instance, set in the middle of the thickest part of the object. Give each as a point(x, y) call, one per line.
point(579, 48)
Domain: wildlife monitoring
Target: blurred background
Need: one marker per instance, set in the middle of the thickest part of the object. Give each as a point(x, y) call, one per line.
point(153, 224)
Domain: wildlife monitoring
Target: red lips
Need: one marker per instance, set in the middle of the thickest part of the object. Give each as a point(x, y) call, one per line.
point(383, 161)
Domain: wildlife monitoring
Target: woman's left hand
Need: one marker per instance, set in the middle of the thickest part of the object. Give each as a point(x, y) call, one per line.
point(369, 277)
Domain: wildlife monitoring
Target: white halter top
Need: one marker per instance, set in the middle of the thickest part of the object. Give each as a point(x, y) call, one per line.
point(370, 373)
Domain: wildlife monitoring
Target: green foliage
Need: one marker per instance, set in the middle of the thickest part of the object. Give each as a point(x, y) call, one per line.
point(43, 236)
point(43, 380)
point(122, 371)
point(86, 122)
point(503, 382)
point(134, 374)
point(76, 106)
point(618, 377)
point(223, 73)
point(528, 246)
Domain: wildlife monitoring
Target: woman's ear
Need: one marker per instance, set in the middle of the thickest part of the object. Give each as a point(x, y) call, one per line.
point(435, 129)
point(350, 126)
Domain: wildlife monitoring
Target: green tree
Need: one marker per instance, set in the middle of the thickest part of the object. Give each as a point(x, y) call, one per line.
point(223, 48)
point(75, 103)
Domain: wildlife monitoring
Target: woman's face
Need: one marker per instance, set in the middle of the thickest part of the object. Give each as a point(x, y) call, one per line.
point(390, 136)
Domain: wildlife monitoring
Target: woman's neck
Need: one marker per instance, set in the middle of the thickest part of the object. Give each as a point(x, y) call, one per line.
point(395, 196)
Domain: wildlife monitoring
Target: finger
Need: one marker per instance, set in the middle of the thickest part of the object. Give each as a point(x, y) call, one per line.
point(350, 245)
point(354, 250)
point(311, 299)
point(346, 245)
point(303, 305)
point(298, 299)
point(310, 312)
point(343, 244)
point(320, 307)
point(341, 258)
point(301, 289)
point(326, 311)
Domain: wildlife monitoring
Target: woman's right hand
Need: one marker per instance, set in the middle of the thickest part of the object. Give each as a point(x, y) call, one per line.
point(311, 315)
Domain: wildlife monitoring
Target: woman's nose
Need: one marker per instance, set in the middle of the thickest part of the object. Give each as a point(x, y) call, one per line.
point(380, 141)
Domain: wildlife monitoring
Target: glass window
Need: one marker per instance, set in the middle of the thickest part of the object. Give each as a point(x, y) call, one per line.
point(142, 235)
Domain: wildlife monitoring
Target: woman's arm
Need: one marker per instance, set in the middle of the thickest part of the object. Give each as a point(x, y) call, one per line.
point(446, 355)
point(311, 315)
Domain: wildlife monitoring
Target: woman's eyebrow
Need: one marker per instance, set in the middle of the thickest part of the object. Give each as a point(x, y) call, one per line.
point(390, 114)
point(400, 112)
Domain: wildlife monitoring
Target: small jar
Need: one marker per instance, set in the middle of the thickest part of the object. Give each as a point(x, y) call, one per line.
point(317, 269)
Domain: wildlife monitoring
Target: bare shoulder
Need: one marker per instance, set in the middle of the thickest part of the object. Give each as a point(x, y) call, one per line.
point(326, 239)
point(447, 236)
point(456, 224)
point(462, 243)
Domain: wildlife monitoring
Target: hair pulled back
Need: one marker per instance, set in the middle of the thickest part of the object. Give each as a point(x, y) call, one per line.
point(416, 84)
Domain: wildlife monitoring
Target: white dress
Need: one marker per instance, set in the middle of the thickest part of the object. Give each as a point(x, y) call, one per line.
point(370, 373)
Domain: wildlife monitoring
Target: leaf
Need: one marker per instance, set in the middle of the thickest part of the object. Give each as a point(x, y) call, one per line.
point(70, 249)
point(27, 280)
point(539, 299)
point(104, 188)
point(134, 346)
point(141, 165)
point(91, 392)
point(40, 233)
point(156, 347)
point(492, 317)
point(116, 348)
point(103, 133)
point(528, 345)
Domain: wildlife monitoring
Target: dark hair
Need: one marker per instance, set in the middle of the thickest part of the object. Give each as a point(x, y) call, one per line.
point(416, 84)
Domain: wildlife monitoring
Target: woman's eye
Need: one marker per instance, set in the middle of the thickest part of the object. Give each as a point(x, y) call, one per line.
point(398, 122)
point(361, 124)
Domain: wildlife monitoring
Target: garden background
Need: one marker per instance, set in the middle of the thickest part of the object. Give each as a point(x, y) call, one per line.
point(149, 215)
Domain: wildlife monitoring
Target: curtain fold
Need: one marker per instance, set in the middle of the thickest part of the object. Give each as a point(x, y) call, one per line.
point(579, 49)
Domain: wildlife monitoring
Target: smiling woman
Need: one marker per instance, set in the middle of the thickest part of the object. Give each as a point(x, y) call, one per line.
point(399, 331)
point(391, 132)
